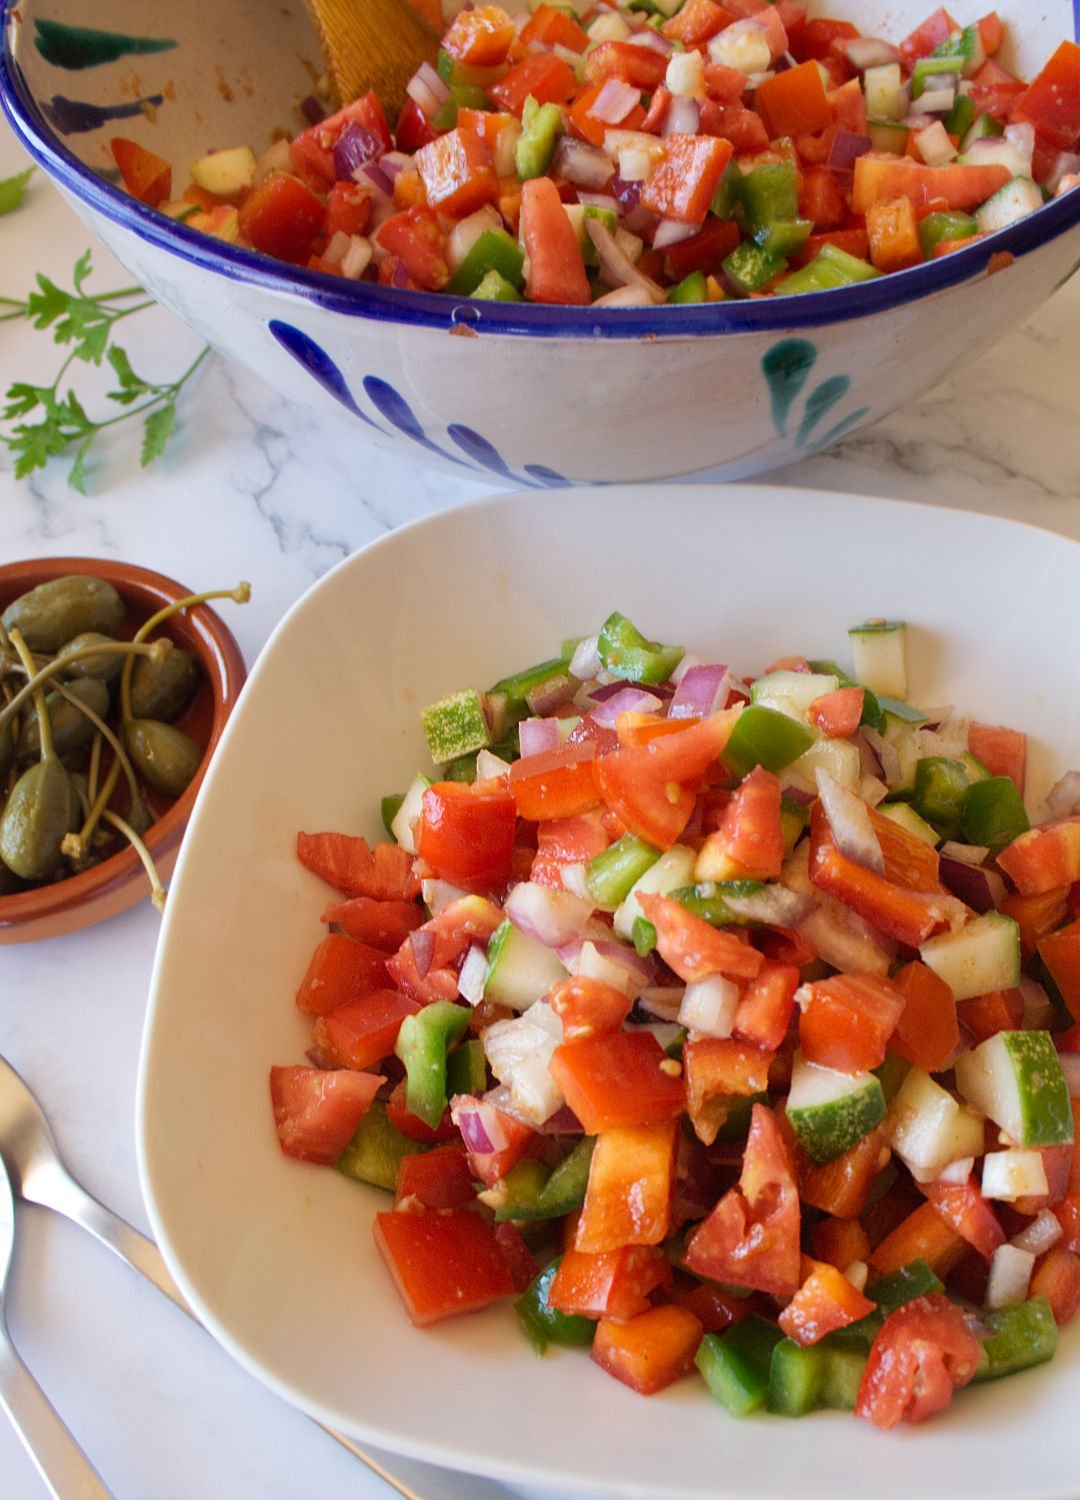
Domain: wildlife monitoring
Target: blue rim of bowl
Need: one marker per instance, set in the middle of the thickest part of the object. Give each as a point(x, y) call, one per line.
point(435, 310)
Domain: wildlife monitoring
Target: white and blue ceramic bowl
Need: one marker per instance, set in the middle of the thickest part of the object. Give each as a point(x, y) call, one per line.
point(534, 395)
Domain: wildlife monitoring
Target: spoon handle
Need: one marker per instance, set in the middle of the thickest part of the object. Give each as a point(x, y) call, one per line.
point(65, 1468)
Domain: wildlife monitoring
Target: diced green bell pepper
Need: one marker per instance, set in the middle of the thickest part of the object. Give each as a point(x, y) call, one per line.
point(993, 813)
point(770, 202)
point(389, 808)
point(796, 1378)
point(531, 1190)
point(541, 127)
point(466, 1069)
point(961, 117)
point(462, 96)
point(543, 1324)
point(916, 1279)
point(1020, 1337)
point(765, 737)
point(708, 899)
point(751, 268)
point(612, 873)
point(692, 288)
point(935, 229)
point(736, 1363)
point(625, 653)
point(728, 196)
point(643, 936)
point(495, 288)
point(845, 1362)
point(941, 788)
point(926, 68)
point(422, 1044)
point(376, 1150)
point(516, 688)
point(494, 250)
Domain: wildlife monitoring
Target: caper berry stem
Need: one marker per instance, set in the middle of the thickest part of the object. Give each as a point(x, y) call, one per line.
point(157, 890)
point(93, 770)
point(121, 762)
point(239, 595)
point(44, 722)
point(37, 677)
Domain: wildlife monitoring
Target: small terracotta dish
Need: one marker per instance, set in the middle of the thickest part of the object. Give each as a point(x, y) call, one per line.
point(120, 882)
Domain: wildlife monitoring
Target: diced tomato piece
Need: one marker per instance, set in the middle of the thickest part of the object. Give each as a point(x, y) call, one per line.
point(641, 67)
point(341, 969)
point(631, 1184)
point(415, 236)
point(381, 924)
point(1051, 102)
point(546, 76)
point(825, 1302)
point(520, 1261)
point(793, 102)
point(556, 268)
point(847, 1021)
point(927, 1032)
point(466, 833)
point(840, 1242)
point(616, 1078)
point(1044, 858)
point(283, 218)
point(587, 1006)
point(352, 867)
point(402, 1118)
point(614, 1284)
point(652, 1350)
point(855, 241)
point(927, 37)
point(146, 175)
point(705, 251)
point(734, 122)
point(923, 1352)
point(655, 808)
point(748, 843)
point(683, 183)
point(413, 130)
point(556, 783)
point(317, 1110)
point(567, 841)
point(480, 36)
point(842, 1187)
point(457, 173)
point(363, 1031)
point(496, 1140)
point(765, 1009)
point(442, 1263)
point(985, 1015)
point(963, 1207)
point(348, 209)
point(718, 1071)
point(312, 151)
point(880, 177)
point(1057, 1278)
point(554, 28)
point(923, 1235)
point(1058, 1165)
point(694, 949)
point(436, 1179)
point(818, 36)
point(696, 22)
point(837, 714)
point(751, 1238)
point(1002, 751)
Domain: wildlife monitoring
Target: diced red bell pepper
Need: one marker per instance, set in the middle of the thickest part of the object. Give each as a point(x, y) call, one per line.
point(697, 22)
point(818, 36)
point(352, 867)
point(923, 1235)
point(587, 1006)
point(693, 948)
point(909, 860)
point(793, 102)
point(413, 130)
point(556, 783)
point(402, 1118)
point(556, 267)
point(928, 36)
point(614, 1284)
point(748, 843)
point(283, 218)
point(584, 123)
point(567, 841)
point(751, 1238)
point(466, 833)
point(1044, 858)
point(855, 241)
point(553, 28)
point(718, 1071)
point(840, 1242)
point(363, 1031)
point(341, 969)
point(146, 175)
point(546, 76)
point(1002, 751)
point(442, 1264)
point(923, 1353)
point(1051, 102)
point(652, 1350)
point(1057, 1278)
point(348, 209)
point(317, 1110)
point(705, 251)
point(893, 231)
point(631, 1184)
point(841, 1187)
point(766, 1006)
point(985, 1015)
point(436, 1179)
point(825, 1302)
point(683, 183)
point(1060, 952)
point(734, 122)
point(847, 1021)
point(380, 924)
point(641, 67)
point(616, 1078)
point(480, 36)
point(415, 236)
point(964, 1209)
point(927, 1033)
point(878, 177)
point(457, 173)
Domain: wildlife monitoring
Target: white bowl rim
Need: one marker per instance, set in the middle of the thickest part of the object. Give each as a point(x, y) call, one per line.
point(437, 310)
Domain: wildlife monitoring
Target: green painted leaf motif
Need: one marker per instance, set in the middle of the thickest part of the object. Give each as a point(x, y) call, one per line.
point(819, 403)
point(841, 429)
point(787, 368)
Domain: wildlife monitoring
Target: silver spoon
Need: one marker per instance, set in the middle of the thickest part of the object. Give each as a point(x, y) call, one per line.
point(59, 1460)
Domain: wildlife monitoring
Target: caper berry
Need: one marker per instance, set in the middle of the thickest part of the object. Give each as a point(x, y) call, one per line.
point(104, 664)
point(49, 615)
point(42, 807)
point(70, 726)
point(162, 754)
point(159, 690)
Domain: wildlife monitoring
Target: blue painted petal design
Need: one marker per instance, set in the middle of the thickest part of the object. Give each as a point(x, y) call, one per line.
point(787, 368)
point(75, 116)
point(543, 475)
point(319, 365)
point(397, 411)
point(478, 449)
point(819, 403)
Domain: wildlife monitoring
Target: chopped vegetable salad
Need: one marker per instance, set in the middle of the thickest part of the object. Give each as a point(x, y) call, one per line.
point(728, 1026)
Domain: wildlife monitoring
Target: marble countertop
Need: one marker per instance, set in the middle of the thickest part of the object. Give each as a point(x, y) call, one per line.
point(253, 488)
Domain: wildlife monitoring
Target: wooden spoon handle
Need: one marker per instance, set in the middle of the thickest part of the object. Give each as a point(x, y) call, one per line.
point(372, 44)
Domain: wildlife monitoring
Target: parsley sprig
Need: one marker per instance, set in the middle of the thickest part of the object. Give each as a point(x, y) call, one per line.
point(84, 322)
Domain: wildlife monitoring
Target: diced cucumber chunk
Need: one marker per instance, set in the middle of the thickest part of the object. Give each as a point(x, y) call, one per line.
point(1014, 201)
point(792, 693)
point(879, 654)
point(674, 869)
point(831, 1112)
point(886, 98)
point(928, 1129)
point(840, 758)
point(1020, 1338)
point(520, 969)
point(455, 725)
point(982, 956)
point(401, 825)
point(227, 172)
point(905, 816)
point(1016, 1078)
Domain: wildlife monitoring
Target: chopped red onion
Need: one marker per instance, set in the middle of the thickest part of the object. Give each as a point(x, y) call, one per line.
point(427, 90)
point(550, 695)
point(774, 905)
point(554, 918)
point(312, 110)
point(393, 162)
point(354, 148)
point(439, 894)
point(535, 736)
point(1063, 800)
point(708, 1006)
point(683, 116)
point(1042, 1234)
point(585, 662)
point(887, 755)
point(651, 40)
point(563, 1122)
point(661, 1000)
point(1070, 1066)
point(850, 825)
point(627, 194)
point(977, 888)
point(630, 700)
point(597, 200)
point(422, 942)
point(864, 52)
point(616, 267)
point(701, 691)
point(847, 147)
point(375, 177)
point(797, 793)
point(629, 971)
point(1066, 164)
point(968, 854)
point(614, 101)
point(672, 232)
point(479, 1124)
point(581, 163)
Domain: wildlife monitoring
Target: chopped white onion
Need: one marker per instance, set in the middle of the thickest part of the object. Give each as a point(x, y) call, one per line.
point(1063, 800)
point(1014, 1173)
point(1041, 1235)
point(709, 1005)
point(439, 894)
point(858, 1273)
point(490, 767)
point(616, 268)
point(957, 1172)
point(537, 735)
point(519, 1053)
point(472, 975)
point(662, 1000)
point(849, 822)
point(585, 662)
point(614, 102)
point(428, 90)
point(553, 917)
point(1010, 1277)
point(466, 232)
